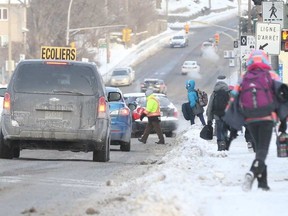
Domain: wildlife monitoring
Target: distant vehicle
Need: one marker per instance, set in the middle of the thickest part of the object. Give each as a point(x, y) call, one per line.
point(207, 45)
point(169, 114)
point(157, 85)
point(121, 121)
point(190, 67)
point(122, 77)
point(179, 41)
point(2, 93)
point(57, 105)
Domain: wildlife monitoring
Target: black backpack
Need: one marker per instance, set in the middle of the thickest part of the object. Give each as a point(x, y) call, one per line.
point(221, 98)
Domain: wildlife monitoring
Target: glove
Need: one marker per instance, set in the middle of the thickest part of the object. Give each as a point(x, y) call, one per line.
point(209, 122)
point(142, 116)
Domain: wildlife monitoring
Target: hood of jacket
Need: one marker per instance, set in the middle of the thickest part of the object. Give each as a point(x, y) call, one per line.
point(190, 85)
point(221, 85)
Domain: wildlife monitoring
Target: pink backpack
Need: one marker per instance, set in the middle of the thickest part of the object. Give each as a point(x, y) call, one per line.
point(256, 96)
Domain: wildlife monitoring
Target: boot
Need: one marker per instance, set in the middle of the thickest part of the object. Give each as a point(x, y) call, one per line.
point(262, 180)
point(221, 146)
point(248, 181)
point(257, 167)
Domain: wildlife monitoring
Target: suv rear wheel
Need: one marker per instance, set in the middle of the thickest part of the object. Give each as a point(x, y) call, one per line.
point(102, 155)
point(5, 150)
point(125, 146)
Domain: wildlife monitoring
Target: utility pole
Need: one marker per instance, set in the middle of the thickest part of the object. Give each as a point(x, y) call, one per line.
point(68, 23)
point(9, 41)
point(249, 26)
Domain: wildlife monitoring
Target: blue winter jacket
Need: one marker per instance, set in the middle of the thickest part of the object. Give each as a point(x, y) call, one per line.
point(192, 95)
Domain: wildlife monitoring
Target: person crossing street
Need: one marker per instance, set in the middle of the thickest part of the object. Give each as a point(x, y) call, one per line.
point(152, 111)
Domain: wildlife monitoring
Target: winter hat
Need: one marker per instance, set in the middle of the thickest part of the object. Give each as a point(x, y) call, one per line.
point(221, 78)
point(148, 92)
point(258, 58)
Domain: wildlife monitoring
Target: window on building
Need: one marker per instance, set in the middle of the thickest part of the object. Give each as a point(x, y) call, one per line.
point(3, 13)
point(3, 40)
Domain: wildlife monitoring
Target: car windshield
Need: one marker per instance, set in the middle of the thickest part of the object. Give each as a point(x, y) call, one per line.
point(190, 63)
point(151, 82)
point(178, 37)
point(43, 78)
point(120, 73)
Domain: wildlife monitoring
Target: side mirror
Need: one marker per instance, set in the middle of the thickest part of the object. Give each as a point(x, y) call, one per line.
point(114, 96)
point(2, 92)
point(132, 106)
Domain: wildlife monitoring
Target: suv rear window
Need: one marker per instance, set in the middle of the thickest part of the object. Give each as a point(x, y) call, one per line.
point(43, 78)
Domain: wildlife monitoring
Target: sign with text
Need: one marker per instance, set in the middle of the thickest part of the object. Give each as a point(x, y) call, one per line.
point(58, 53)
point(247, 45)
point(268, 37)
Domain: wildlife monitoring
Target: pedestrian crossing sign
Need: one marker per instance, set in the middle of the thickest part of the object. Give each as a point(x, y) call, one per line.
point(272, 12)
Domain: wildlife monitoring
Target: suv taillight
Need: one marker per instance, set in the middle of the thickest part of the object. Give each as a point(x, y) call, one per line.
point(102, 107)
point(7, 102)
point(175, 113)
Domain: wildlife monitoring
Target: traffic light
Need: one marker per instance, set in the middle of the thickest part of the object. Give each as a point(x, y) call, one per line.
point(257, 2)
point(126, 34)
point(284, 40)
point(217, 38)
point(186, 27)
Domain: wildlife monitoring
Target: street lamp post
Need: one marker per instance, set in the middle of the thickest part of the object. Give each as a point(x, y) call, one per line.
point(68, 23)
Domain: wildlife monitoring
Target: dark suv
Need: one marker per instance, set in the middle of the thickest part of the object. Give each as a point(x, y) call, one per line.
point(156, 85)
point(58, 105)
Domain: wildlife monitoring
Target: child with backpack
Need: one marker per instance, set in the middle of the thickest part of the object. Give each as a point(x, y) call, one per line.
point(216, 110)
point(257, 103)
point(193, 98)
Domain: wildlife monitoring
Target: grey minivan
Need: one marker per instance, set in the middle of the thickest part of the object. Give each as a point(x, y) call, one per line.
point(58, 105)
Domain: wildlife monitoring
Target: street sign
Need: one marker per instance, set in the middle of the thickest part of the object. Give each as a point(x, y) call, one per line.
point(268, 37)
point(247, 45)
point(236, 44)
point(273, 12)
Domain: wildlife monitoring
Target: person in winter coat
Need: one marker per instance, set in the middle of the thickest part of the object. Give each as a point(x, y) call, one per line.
point(152, 111)
point(221, 127)
point(260, 127)
point(193, 98)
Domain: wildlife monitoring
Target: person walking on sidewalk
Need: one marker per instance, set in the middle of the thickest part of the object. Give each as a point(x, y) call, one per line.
point(216, 110)
point(153, 114)
point(192, 96)
point(257, 102)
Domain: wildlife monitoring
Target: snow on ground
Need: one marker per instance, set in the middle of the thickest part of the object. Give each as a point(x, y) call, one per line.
point(194, 179)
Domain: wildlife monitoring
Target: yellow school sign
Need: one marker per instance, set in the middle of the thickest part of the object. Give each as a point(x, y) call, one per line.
point(58, 53)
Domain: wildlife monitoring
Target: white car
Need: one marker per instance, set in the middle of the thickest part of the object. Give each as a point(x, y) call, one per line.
point(190, 67)
point(122, 76)
point(179, 41)
point(208, 46)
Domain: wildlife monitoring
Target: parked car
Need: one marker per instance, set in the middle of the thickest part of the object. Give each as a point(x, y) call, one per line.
point(122, 77)
point(190, 67)
point(169, 114)
point(157, 85)
point(121, 121)
point(57, 105)
point(179, 41)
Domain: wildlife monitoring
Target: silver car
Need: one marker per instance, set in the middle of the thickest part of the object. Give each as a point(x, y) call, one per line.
point(121, 77)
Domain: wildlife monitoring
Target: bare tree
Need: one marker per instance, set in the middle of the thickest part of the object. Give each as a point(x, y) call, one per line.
point(47, 21)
